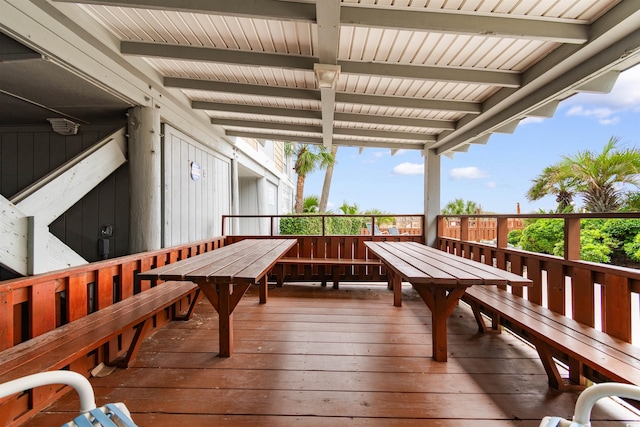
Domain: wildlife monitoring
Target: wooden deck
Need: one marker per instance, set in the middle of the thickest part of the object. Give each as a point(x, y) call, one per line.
point(318, 356)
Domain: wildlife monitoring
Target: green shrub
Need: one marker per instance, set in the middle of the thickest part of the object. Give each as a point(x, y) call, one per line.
point(300, 226)
point(632, 248)
point(542, 235)
point(514, 236)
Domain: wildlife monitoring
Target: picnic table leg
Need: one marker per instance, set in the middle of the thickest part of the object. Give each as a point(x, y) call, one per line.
point(264, 289)
point(396, 285)
point(441, 301)
point(225, 319)
point(439, 324)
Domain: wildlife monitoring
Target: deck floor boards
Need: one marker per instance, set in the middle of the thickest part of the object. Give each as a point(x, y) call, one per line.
point(317, 356)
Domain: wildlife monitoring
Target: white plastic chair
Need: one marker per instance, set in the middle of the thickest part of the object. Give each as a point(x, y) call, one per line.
point(588, 398)
point(110, 415)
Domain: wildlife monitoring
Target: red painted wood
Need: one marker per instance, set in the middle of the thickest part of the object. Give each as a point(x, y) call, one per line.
point(583, 296)
point(617, 307)
point(42, 311)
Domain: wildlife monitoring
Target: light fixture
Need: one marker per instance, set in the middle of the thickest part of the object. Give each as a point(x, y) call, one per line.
point(63, 126)
point(326, 75)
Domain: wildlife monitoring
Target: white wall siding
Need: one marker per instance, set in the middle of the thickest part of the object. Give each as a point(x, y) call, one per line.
point(192, 209)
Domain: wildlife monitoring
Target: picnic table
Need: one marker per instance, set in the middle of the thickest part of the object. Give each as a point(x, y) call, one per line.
point(224, 275)
point(439, 278)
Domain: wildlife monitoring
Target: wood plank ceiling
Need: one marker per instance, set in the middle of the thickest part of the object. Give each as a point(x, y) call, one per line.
point(413, 74)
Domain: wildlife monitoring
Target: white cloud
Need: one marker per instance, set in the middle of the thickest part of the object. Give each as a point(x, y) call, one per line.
point(491, 184)
point(605, 116)
point(625, 96)
point(470, 172)
point(409, 168)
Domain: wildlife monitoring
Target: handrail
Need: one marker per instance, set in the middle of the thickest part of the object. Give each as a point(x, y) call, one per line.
point(598, 295)
point(374, 220)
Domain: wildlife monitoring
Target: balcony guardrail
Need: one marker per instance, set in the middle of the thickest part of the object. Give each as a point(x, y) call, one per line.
point(603, 296)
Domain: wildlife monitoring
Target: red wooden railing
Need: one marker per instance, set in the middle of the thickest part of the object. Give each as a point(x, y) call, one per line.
point(37, 304)
point(598, 295)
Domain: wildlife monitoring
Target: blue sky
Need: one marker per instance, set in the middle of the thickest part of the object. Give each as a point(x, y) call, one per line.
point(496, 175)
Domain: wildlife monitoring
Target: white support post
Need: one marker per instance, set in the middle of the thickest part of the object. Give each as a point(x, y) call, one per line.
point(38, 256)
point(263, 204)
point(235, 196)
point(431, 195)
point(145, 174)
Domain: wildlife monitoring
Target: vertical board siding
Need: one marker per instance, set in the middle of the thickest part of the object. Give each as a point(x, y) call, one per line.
point(27, 154)
point(192, 209)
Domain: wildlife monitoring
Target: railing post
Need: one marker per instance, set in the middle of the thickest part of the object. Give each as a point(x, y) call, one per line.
point(502, 232)
point(572, 238)
point(464, 228)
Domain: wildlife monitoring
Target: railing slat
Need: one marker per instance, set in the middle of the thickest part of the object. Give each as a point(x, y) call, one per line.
point(617, 307)
point(42, 308)
point(583, 296)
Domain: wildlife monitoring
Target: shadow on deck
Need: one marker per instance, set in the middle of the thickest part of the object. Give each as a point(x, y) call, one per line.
point(317, 356)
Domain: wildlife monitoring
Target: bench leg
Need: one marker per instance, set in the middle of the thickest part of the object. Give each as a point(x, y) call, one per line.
point(555, 379)
point(192, 306)
point(134, 347)
point(279, 273)
point(482, 326)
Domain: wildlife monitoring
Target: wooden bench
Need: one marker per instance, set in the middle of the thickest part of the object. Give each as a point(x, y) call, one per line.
point(329, 262)
point(58, 348)
point(586, 352)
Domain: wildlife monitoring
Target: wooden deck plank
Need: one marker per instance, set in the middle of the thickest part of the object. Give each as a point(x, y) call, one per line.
point(337, 358)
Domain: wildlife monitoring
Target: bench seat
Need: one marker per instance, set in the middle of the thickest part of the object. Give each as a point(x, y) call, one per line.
point(58, 348)
point(586, 352)
point(330, 262)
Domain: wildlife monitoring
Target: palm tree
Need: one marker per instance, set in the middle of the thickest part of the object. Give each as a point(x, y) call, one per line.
point(598, 178)
point(460, 207)
point(326, 186)
point(348, 209)
point(308, 159)
point(310, 204)
point(550, 181)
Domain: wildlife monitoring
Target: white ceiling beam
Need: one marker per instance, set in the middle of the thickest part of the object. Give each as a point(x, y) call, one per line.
point(460, 23)
point(328, 27)
point(427, 72)
point(407, 102)
point(242, 88)
point(212, 54)
point(413, 19)
point(273, 9)
point(258, 110)
point(361, 132)
point(313, 94)
point(316, 115)
point(278, 60)
point(394, 120)
point(336, 141)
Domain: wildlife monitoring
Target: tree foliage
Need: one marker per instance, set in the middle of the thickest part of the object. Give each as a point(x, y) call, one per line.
point(461, 207)
point(308, 158)
point(598, 177)
point(600, 239)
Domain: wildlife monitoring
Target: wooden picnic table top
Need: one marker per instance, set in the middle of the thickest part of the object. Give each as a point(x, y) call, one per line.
point(421, 264)
point(242, 262)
